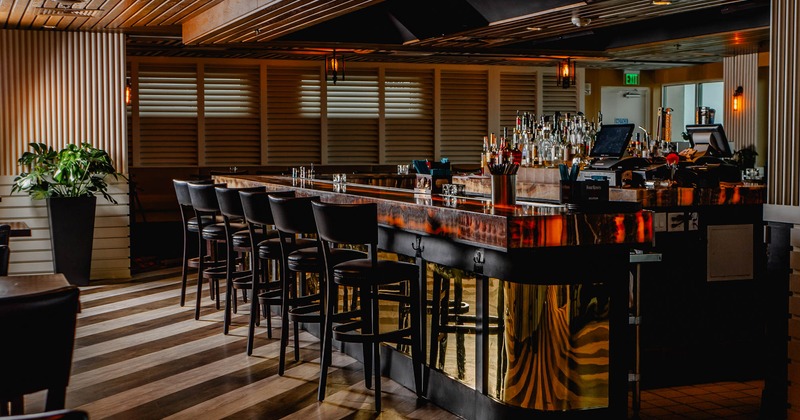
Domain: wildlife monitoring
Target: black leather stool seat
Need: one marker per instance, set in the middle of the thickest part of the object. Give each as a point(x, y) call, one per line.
point(191, 224)
point(271, 248)
point(241, 239)
point(215, 232)
point(356, 272)
point(311, 260)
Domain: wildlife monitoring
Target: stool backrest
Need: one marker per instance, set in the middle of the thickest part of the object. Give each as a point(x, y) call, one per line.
point(230, 204)
point(351, 224)
point(182, 190)
point(204, 197)
point(255, 206)
point(38, 333)
point(293, 216)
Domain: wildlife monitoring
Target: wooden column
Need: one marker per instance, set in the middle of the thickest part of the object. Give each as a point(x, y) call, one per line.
point(783, 166)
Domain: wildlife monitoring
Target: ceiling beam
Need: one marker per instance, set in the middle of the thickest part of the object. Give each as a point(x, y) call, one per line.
point(268, 17)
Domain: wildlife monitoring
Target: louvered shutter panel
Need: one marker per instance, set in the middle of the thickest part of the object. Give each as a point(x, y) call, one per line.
point(517, 94)
point(555, 98)
point(464, 97)
point(409, 115)
point(168, 115)
point(232, 121)
point(353, 111)
point(293, 115)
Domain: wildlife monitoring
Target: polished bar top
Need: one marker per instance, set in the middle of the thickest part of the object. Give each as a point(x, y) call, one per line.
point(473, 220)
point(11, 286)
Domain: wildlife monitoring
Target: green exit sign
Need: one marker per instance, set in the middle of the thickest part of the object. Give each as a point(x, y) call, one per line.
point(632, 78)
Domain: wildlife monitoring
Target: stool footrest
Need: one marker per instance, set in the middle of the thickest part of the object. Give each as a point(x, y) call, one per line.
point(351, 333)
point(308, 313)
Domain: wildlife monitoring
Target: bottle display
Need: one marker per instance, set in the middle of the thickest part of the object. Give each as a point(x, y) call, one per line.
point(543, 141)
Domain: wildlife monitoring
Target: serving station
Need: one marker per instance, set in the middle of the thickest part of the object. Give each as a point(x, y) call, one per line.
point(561, 279)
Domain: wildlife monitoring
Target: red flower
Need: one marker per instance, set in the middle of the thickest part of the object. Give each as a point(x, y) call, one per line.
point(673, 158)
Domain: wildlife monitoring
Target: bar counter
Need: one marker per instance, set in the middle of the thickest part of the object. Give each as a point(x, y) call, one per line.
point(563, 285)
point(703, 305)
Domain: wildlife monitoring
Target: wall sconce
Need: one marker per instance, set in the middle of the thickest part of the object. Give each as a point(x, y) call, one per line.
point(737, 98)
point(334, 66)
point(128, 92)
point(565, 76)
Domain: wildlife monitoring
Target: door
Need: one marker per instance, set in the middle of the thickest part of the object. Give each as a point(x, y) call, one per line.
point(625, 105)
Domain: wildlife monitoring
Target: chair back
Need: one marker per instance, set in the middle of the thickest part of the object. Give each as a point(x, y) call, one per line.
point(5, 234)
point(230, 204)
point(5, 256)
point(255, 206)
point(38, 333)
point(352, 224)
point(204, 197)
point(293, 216)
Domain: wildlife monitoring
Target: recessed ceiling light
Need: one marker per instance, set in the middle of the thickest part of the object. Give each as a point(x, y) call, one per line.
point(662, 2)
point(534, 28)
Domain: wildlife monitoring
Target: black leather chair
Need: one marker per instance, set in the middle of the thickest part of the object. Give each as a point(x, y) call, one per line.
point(206, 209)
point(5, 234)
point(189, 223)
point(357, 224)
point(38, 333)
point(300, 256)
point(230, 206)
point(265, 255)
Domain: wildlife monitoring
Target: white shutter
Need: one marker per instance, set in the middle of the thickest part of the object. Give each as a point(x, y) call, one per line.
point(353, 111)
point(556, 98)
point(232, 121)
point(517, 94)
point(464, 97)
point(409, 115)
point(293, 115)
point(168, 115)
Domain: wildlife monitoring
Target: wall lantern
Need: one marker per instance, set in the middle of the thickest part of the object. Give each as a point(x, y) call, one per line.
point(565, 76)
point(737, 98)
point(334, 66)
point(128, 92)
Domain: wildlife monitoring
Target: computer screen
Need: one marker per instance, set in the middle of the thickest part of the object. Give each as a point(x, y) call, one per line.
point(709, 138)
point(612, 140)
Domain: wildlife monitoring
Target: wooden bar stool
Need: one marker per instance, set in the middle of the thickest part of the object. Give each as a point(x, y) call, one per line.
point(357, 225)
point(230, 206)
point(266, 251)
point(295, 223)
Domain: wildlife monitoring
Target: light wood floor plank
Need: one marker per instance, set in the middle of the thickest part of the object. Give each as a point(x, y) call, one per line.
point(130, 399)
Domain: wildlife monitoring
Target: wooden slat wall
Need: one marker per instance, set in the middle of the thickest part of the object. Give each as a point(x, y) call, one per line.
point(741, 126)
point(408, 115)
point(464, 121)
point(60, 88)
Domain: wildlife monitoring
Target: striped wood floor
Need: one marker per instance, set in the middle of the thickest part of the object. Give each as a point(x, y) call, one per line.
point(138, 355)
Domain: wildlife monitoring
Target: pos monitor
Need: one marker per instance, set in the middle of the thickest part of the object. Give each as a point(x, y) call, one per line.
point(612, 141)
point(709, 138)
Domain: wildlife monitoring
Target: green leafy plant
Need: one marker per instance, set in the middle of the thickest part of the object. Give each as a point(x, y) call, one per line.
point(74, 171)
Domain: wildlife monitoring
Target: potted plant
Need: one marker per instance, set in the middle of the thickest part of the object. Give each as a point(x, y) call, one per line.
point(69, 181)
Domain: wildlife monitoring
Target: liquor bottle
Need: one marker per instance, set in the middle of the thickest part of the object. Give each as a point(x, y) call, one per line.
point(485, 156)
